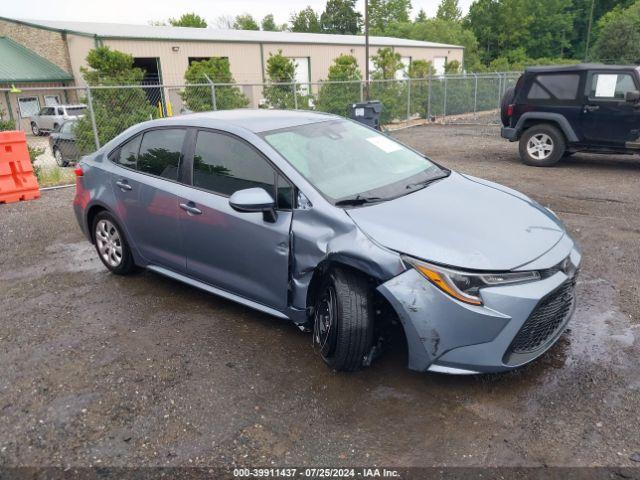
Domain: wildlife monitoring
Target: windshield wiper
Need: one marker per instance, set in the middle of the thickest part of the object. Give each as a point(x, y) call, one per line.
point(357, 200)
point(424, 183)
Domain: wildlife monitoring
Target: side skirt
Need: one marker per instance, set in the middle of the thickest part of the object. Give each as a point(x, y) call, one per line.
point(217, 291)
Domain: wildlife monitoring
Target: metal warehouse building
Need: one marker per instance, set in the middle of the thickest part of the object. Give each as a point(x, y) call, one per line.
point(165, 52)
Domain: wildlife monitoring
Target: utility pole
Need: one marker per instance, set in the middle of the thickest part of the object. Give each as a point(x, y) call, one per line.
point(366, 48)
point(586, 49)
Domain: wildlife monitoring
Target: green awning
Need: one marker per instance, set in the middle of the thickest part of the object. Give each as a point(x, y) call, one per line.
point(18, 64)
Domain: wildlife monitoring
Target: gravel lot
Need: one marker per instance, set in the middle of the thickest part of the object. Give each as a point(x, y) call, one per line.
point(143, 371)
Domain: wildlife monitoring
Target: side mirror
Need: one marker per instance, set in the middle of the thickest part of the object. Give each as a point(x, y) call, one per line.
point(632, 97)
point(254, 200)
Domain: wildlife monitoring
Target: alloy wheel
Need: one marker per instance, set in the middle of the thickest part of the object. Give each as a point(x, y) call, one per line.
point(58, 156)
point(109, 243)
point(540, 146)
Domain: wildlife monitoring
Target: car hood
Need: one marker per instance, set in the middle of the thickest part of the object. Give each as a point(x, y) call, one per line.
point(463, 222)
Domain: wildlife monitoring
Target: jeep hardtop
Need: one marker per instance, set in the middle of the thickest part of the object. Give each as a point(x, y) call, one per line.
point(557, 111)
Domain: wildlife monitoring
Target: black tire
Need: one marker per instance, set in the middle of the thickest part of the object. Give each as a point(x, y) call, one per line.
point(35, 129)
point(125, 265)
point(553, 138)
point(348, 335)
point(60, 160)
point(507, 99)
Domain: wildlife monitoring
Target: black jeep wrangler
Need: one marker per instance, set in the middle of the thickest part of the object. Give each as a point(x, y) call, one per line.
point(558, 111)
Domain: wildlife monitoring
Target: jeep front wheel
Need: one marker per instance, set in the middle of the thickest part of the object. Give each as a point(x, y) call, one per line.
point(542, 146)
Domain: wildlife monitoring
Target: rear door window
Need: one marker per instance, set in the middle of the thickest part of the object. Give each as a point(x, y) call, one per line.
point(555, 87)
point(610, 86)
point(223, 164)
point(161, 152)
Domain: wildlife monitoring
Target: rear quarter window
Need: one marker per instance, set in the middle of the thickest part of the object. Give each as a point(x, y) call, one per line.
point(554, 87)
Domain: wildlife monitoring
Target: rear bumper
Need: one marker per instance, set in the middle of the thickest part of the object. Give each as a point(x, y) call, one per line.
point(448, 336)
point(509, 133)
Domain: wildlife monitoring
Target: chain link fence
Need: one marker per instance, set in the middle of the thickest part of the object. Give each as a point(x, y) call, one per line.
point(469, 98)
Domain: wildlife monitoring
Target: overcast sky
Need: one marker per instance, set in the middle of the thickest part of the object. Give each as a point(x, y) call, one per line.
point(141, 11)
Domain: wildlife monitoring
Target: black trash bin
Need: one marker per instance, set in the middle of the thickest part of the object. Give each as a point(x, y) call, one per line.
point(367, 113)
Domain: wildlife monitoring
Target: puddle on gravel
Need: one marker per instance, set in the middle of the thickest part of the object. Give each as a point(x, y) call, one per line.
point(59, 258)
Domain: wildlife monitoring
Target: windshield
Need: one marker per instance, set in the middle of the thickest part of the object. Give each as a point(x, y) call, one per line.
point(75, 111)
point(344, 160)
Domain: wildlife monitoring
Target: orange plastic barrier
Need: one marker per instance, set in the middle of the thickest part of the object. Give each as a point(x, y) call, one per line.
point(17, 180)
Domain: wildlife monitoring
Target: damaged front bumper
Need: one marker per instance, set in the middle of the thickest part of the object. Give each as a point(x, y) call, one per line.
point(448, 336)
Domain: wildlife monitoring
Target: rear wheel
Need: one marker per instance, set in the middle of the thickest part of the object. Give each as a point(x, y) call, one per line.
point(35, 129)
point(343, 320)
point(542, 145)
point(111, 244)
point(57, 154)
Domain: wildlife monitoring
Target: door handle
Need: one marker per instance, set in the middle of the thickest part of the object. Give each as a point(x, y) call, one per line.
point(591, 108)
point(190, 208)
point(124, 186)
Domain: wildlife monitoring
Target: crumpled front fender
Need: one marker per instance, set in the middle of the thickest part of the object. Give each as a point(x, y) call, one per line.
point(434, 322)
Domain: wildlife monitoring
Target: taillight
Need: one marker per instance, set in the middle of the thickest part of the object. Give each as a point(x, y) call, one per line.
point(78, 171)
point(510, 111)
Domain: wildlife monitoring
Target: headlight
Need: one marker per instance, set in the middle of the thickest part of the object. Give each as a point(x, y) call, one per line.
point(466, 286)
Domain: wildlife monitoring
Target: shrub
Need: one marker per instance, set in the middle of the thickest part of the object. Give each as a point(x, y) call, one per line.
point(281, 70)
point(199, 99)
point(392, 94)
point(115, 109)
point(338, 97)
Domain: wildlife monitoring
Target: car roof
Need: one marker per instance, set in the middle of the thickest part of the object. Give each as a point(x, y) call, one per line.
point(577, 67)
point(253, 119)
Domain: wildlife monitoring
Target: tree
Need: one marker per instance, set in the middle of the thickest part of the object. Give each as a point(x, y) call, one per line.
point(387, 62)
point(115, 109)
point(422, 16)
point(452, 67)
point(245, 22)
point(281, 72)
point(392, 95)
point(225, 22)
point(449, 32)
point(338, 97)
point(340, 16)
point(269, 24)
point(384, 12)
point(541, 27)
point(306, 20)
point(189, 20)
point(200, 98)
point(420, 69)
point(619, 36)
point(449, 10)
point(581, 10)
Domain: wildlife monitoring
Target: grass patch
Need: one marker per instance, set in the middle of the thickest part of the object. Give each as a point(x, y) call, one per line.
point(53, 176)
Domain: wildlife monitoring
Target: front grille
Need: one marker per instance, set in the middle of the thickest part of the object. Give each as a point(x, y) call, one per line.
point(545, 320)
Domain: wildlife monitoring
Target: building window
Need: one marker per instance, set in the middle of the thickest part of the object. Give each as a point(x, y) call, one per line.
point(302, 75)
point(51, 100)
point(28, 106)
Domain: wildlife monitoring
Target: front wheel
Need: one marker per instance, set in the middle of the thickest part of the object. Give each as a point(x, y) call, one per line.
point(343, 320)
point(35, 129)
point(111, 244)
point(542, 146)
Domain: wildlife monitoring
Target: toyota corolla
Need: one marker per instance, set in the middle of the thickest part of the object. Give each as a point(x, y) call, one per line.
point(337, 228)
